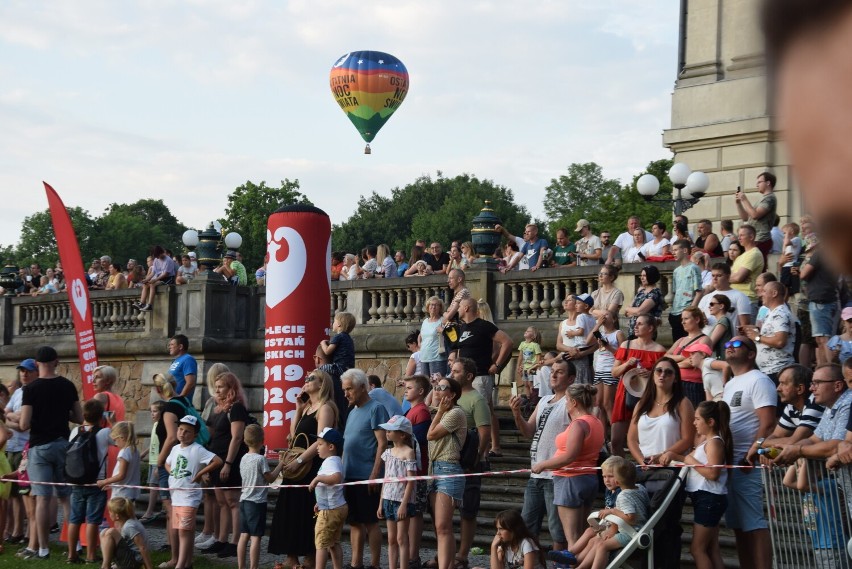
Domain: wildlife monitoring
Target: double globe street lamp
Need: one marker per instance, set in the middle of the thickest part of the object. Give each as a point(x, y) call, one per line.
point(691, 187)
point(208, 246)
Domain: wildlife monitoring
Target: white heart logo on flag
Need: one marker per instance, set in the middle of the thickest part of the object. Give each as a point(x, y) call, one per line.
point(78, 295)
point(288, 258)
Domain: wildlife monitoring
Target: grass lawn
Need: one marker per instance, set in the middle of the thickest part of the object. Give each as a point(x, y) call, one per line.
point(58, 554)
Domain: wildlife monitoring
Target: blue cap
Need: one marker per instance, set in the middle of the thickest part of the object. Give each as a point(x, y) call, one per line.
point(332, 436)
point(28, 364)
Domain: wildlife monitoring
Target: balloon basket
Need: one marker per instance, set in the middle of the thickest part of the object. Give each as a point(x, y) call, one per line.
point(367, 149)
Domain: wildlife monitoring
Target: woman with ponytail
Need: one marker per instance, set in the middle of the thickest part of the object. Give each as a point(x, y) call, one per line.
point(125, 545)
point(707, 485)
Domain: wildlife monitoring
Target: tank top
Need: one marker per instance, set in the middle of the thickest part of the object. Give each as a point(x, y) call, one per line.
point(657, 434)
point(696, 482)
point(588, 455)
point(692, 375)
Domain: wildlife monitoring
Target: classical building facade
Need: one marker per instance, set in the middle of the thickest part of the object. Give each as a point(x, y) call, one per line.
point(722, 119)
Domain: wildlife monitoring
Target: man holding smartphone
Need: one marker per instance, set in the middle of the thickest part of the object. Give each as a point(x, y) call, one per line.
point(761, 215)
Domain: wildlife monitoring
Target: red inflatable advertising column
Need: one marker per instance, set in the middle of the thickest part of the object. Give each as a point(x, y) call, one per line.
point(298, 300)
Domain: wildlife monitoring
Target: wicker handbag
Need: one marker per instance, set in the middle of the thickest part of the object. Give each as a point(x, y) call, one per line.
point(291, 454)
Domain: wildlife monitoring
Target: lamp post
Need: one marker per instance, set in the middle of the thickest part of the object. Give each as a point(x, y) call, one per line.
point(691, 187)
point(208, 246)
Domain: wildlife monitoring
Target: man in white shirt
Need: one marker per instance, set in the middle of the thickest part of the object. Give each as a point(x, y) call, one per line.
point(741, 315)
point(625, 240)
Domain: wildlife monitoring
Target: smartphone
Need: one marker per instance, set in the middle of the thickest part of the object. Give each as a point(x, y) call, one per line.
point(514, 389)
point(739, 190)
point(597, 334)
point(641, 255)
point(304, 397)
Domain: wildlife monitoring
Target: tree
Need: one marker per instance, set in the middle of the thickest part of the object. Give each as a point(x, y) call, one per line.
point(249, 208)
point(585, 194)
point(38, 241)
point(128, 231)
point(434, 210)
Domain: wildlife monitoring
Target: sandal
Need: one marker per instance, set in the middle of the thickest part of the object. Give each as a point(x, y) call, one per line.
point(460, 563)
point(431, 564)
point(495, 453)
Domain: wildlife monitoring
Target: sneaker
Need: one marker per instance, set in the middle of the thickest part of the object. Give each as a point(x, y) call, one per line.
point(145, 308)
point(137, 305)
point(26, 553)
point(30, 554)
point(205, 544)
point(230, 550)
point(199, 539)
point(54, 528)
point(563, 557)
point(215, 548)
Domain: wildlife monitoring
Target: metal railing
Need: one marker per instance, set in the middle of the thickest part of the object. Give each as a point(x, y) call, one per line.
point(808, 515)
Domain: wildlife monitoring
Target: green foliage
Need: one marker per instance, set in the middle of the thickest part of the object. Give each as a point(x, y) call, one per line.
point(38, 241)
point(584, 193)
point(434, 210)
point(128, 231)
point(249, 208)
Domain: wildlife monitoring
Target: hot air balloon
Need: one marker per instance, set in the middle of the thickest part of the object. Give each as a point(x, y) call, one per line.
point(369, 86)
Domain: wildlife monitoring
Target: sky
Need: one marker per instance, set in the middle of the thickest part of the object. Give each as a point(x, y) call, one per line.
point(112, 102)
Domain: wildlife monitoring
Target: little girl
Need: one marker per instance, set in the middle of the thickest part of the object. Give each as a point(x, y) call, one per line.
point(398, 497)
point(529, 360)
point(126, 471)
point(125, 545)
point(608, 338)
point(707, 486)
point(514, 547)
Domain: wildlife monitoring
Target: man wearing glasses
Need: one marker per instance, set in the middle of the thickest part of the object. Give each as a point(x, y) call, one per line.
point(437, 259)
point(751, 396)
point(741, 305)
point(831, 392)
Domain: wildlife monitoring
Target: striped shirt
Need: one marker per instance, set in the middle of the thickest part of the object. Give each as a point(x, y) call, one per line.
point(809, 416)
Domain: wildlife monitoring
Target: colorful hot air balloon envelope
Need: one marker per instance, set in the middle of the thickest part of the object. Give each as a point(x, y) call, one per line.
point(369, 86)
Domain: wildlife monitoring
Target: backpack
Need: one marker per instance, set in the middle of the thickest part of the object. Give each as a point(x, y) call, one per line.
point(81, 463)
point(469, 456)
point(203, 436)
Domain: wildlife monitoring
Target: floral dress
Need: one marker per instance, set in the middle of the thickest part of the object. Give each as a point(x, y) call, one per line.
point(641, 296)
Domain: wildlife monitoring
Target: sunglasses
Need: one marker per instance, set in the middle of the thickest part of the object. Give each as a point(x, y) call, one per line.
point(734, 344)
point(714, 303)
point(311, 378)
point(442, 388)
point(664, 371)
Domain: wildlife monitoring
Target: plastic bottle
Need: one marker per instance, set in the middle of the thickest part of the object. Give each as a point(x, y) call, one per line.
point(770, 452)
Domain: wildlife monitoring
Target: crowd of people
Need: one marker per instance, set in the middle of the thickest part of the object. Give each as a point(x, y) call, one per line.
point(748, 345)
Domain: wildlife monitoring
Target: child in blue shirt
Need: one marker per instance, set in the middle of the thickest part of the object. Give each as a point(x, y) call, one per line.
point(341, 348)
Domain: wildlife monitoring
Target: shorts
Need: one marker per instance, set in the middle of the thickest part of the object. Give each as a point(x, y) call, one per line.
point(87, 505)
point(606, 378)
point(484, 384)
point(471, 498)
point(163, 479)
point(329, 525)
point(234, 477)
point(362, 503)
point(153, 476)
point(745, 506)
point(253, 518)
point(47, 464)
point(391, 507)
point(166, 281)
point(805, 320)
point(575, 491)
point(708, 508)
point(823, 318)
point(622, 538)
point(452, 487)
point(183, 517)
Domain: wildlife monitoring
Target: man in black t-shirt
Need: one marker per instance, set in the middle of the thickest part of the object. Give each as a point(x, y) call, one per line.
point(48, 404)
point(476, 341)
point(436, 259)
point(822, 289)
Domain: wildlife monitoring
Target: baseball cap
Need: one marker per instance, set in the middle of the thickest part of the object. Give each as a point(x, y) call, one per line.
point(586, 298)
point(398, 423)
point(698, 347)
point(46, 354)
point(28, 364)
point(230, 255)
point(190, 420)
point(582, 223)
point(847, 313)
point(191, 254)
point(332, 436)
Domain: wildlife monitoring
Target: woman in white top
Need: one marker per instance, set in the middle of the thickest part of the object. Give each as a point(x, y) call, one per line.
point(571, 341)
point(635, 253)
point(662, 420)
point(608, 342)
point(659, 245)
point(512, 256)
point(386, 266)
point(431, 358)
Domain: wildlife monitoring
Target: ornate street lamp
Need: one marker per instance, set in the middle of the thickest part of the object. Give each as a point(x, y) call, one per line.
point(691, 187)
point(208, 246)
point(484, 237)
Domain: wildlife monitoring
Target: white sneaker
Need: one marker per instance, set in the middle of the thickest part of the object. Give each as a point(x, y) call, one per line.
point(202, 537)
point(206, 544)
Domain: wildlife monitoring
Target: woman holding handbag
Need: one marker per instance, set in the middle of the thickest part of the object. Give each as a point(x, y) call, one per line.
point(292, 532)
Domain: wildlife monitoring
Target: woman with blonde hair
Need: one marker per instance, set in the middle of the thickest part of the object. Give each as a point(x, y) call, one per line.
point(469, 252)
point(386, 264)
point(208, 534)
point(227, 424)
point(292, 531)
point(432, 359)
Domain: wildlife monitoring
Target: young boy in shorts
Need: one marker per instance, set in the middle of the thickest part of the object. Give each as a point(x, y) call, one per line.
point(184, 466)
point(88, 502)
point(331, 508)
point(416, 389)
point(255, 473)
